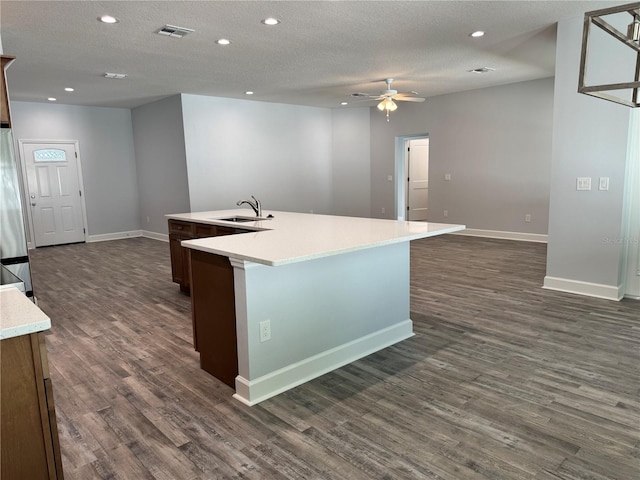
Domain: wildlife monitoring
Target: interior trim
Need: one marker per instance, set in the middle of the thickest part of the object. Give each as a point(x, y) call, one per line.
point(520, 236)
point(607, 292)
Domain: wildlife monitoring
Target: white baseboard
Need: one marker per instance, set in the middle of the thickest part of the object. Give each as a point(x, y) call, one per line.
point(251, 392)
point(113, 236)
point(520, 236)
point(597, 290)
point(163, 237)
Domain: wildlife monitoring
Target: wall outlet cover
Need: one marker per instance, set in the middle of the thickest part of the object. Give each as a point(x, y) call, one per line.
point(265, 330)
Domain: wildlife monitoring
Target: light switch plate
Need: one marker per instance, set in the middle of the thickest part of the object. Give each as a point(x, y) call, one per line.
point(604, 183)
point(583, 183)
point(447, 177)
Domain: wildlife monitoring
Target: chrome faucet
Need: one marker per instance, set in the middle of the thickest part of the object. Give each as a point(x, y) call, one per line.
point(255, 205)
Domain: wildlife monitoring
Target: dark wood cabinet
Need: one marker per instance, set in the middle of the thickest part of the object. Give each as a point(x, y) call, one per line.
point(29, 442)
point(213, 307)
point(180, 230)
point(214, 315)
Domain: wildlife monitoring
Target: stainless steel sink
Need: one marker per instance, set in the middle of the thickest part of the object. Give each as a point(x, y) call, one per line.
point(239, 219)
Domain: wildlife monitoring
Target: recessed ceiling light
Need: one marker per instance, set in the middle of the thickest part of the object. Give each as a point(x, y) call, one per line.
point(108, 19)
point(68, 89)
point(248, 92)
point(344, 103)
point(476, 34)
point(223, 41)
point(52, 99)
point(270, 21)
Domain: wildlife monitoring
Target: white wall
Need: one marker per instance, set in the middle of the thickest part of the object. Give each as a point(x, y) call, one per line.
point(590, 139)
point(631, 216)
point(351, 155)
point(237, 148)
point(160, 161)
point(106, 150)
point(496, 144)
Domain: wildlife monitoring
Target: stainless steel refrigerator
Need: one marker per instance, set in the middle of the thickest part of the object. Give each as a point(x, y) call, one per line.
point(13, 242)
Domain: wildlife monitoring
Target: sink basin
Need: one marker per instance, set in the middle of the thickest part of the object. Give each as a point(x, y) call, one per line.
point(239, 219)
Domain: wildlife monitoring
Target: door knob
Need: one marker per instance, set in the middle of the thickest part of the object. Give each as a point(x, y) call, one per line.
point(33, 196)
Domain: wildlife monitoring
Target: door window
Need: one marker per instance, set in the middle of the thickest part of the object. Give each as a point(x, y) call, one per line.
point(49, 155)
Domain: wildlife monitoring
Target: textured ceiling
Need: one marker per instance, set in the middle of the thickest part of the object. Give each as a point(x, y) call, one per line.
point(320, 53)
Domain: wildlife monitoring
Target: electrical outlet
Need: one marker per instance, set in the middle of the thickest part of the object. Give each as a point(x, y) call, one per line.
point(382, 210)
point(265, 330)
point(445, 214)
point(148, 219)
point(390, 178)
point(527, 218)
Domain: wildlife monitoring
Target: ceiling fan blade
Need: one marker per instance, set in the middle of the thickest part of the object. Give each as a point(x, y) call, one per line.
point(402, 98)
point(368, 98)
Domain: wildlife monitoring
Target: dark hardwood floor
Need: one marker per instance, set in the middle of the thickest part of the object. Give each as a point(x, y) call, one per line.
point(503, 380)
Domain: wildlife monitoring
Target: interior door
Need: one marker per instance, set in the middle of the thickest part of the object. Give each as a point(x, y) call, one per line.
point(54, 193)
point(418, 179)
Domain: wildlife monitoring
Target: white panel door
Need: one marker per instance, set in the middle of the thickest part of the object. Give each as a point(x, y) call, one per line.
point(418, 179)
point(54, 193)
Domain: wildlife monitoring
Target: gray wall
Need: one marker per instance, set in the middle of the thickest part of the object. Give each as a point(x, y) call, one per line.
point(236, 148)
point(351, 155)
point(161, 162)
point(495, 143)
point(106, 150)
point(590, 139)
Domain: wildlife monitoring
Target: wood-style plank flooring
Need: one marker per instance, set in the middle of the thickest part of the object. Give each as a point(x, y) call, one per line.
point(503, 380)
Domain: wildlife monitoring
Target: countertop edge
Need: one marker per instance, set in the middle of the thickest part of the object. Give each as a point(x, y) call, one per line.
point(278, 262)
point(23, 316)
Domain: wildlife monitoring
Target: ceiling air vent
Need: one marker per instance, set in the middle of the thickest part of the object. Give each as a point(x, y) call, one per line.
point(117, 76)
point(482, 70)
point(173, 31)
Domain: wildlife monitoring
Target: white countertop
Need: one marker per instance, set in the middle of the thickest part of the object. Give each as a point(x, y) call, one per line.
point(19, 315)
point(296, 237)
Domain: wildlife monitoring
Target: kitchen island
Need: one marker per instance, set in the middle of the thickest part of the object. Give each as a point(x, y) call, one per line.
point(301, 294)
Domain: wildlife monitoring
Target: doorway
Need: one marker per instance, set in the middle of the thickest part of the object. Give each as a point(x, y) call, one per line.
point(417, 188)
point(55, 203)
point(412, 177)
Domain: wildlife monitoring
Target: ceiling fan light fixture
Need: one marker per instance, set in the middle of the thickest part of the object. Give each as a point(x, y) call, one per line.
point(387, 104)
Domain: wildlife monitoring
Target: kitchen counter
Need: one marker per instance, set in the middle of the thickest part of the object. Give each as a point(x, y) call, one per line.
point(296, 237)
point(19, 315)
point(287, 299)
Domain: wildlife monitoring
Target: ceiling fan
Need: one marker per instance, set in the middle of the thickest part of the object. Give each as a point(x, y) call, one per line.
point(387, 98)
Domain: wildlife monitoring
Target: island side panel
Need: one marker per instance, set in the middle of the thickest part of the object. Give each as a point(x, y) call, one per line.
point(324, 313)
point(212, 301)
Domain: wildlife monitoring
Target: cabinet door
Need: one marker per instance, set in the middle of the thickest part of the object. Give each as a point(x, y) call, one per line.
point(177, 262)
point(203, 230)
point(26, 444)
